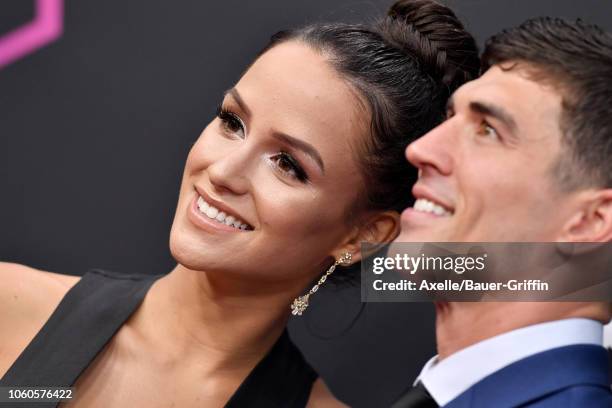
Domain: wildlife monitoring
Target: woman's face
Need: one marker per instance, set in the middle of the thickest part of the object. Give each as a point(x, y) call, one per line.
point(278, 158)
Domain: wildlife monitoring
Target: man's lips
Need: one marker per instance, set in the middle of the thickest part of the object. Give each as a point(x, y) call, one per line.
point(428, 201)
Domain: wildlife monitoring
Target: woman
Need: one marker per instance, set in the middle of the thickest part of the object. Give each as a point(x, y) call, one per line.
point(303, 162)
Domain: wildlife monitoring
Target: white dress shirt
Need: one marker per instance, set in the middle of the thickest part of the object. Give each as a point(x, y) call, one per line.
point(447, 379)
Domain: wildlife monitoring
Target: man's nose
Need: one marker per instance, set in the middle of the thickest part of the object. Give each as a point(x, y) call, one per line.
point(434, 149)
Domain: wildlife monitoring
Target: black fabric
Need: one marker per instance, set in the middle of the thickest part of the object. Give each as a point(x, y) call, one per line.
point(94, 310)
point(416, 397)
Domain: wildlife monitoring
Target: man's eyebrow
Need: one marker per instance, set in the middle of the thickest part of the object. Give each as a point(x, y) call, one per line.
point(301, 145)
point(236, 95)
point(495, 112)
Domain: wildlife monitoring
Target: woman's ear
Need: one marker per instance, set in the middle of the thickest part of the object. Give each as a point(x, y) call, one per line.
point(380, 228)
point(593, 223)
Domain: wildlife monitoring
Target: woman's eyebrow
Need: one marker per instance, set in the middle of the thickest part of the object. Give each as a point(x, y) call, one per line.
point(283, 137)
point(233, 92)
point(301, 145)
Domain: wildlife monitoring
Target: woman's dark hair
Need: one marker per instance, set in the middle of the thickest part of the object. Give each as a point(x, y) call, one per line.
point(405, 66)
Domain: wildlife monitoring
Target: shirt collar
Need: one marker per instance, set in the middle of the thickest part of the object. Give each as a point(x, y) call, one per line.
point(447, 379)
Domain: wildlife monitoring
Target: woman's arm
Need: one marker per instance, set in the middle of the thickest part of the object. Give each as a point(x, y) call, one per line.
point(27, 298)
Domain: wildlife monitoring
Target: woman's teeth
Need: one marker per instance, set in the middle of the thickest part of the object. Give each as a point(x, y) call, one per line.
point(427, 206)
point(214, 214)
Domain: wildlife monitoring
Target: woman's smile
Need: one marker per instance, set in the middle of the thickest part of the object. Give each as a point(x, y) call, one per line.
point(214, 217)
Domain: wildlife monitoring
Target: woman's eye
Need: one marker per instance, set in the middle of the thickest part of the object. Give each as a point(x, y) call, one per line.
point(288, 165)
point(487, 130)
point(231, 123)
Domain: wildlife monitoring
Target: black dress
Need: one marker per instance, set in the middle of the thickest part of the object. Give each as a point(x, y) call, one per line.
point(95, 309)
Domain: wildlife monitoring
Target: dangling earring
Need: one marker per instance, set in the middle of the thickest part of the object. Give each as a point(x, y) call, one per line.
point(301, 302)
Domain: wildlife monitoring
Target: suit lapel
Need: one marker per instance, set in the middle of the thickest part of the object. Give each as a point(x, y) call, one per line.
point(537, 376)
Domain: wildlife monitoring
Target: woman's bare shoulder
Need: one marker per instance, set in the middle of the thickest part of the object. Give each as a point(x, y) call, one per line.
point(28, 296)
point(321, 397)
point(22, 284)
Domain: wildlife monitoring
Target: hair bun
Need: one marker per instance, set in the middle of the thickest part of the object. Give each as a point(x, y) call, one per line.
point(433, 34)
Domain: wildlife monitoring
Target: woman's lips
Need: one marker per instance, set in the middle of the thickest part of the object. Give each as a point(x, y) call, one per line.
point(212, 208)
point(203, 222)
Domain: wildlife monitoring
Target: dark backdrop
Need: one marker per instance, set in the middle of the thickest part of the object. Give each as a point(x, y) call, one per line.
point(94, 129)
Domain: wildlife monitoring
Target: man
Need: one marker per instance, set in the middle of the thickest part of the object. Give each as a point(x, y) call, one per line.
point(525, 155)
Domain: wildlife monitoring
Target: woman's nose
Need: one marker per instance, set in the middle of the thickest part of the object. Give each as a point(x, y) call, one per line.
point(230, 172)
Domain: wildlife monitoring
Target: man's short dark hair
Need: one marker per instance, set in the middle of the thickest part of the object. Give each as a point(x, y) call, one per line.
point(576, 59)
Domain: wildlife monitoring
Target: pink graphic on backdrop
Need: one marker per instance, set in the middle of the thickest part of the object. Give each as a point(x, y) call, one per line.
point(45, 28)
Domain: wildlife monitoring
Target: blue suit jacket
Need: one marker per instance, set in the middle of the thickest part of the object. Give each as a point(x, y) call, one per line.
point(572, 376)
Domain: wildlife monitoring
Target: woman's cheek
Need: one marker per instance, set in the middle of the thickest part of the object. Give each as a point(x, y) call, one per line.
point(204, 151)
point(303, 220)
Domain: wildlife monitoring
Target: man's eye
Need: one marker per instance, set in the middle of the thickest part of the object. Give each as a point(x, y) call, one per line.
point(231, 123)
point(487, 130)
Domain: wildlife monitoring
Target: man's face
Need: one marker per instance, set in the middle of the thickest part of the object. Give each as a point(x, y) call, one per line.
point(486, 173)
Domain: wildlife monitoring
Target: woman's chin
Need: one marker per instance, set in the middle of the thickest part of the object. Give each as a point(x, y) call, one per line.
point(188, 253)
point(191, 253)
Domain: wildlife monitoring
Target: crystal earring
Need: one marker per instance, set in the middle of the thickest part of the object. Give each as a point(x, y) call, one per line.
point(301, 302)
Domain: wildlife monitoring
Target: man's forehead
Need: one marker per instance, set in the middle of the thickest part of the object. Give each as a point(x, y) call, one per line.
point(513, 90)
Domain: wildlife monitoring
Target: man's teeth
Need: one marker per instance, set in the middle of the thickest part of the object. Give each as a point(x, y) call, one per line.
point(219, 216)
point(427, 206)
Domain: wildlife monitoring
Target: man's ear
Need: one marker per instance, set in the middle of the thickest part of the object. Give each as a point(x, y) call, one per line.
point(593, 222)
point(381, 227)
